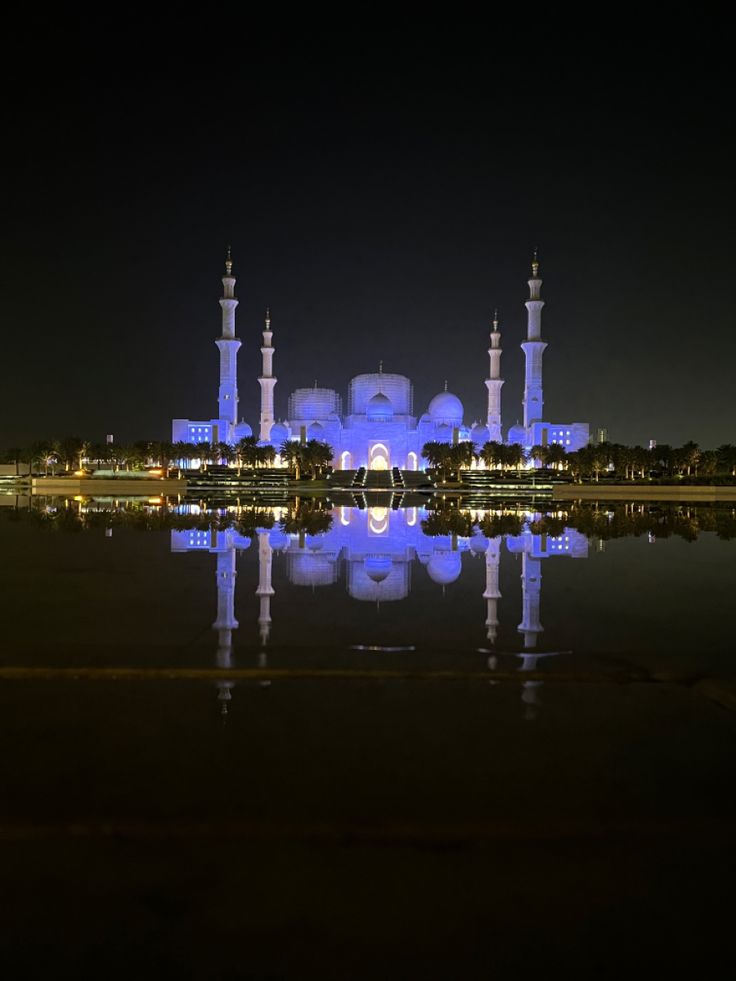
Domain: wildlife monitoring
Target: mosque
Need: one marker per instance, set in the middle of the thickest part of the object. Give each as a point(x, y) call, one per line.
point(380, 429)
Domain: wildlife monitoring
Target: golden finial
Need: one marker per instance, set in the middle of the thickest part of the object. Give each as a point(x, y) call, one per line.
point(495, 319)
point(445, 384)
point(268, 318)
point(380, 367)
point(228, 262)
point(535, 262)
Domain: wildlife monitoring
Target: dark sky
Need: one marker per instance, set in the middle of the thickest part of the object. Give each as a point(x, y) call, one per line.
point(382, 186)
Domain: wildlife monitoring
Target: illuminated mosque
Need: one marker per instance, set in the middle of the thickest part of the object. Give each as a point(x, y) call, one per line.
point(380, 430)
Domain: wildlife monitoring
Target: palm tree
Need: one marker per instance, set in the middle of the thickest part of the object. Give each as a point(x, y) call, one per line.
point(70, 449)
point(461, 456)
point(306, 519)
point(224, 452)
point(514, 456)
point(290, 453)
point(184, 451)
point(726, 457)
point(265, 455)
point(686, 457)
point(246, 451)
point(316, 455)
point(555, 455)
point(493, 453)
point(434, 452)
point(165, 455)
point(540, 454)
point(205, 454)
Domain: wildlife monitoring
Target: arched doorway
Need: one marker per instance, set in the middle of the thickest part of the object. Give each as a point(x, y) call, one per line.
point(346, 460)
point(412, 461)
point(378, 457)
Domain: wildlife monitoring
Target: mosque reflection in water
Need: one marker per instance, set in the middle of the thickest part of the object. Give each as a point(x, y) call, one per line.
point(379, 547)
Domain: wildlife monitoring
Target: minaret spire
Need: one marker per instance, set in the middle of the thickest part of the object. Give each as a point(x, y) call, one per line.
point(494, 383)
point(267, 381)
point(228, 345)
point(533, 348)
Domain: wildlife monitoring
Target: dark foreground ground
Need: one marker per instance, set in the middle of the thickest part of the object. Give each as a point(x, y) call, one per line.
point(364, 829)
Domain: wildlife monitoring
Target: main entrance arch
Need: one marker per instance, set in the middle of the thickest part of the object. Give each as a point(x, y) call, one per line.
point(378, 457)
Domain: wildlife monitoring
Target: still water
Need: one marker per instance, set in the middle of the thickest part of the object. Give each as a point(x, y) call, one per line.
point(192, 584)
point(338, 741)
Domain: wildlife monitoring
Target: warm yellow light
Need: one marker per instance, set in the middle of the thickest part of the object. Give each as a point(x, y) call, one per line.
point(80, 473)
point(155, 500)
point(156, 472)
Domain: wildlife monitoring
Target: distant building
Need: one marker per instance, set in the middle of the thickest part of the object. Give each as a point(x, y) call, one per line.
point(602, 436)
point(380, 429)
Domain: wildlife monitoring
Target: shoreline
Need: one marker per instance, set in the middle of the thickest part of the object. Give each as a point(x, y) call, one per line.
point(94, 487)
point(643, 492)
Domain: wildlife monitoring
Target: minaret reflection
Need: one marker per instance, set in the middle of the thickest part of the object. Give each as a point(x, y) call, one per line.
point(492, 593)
point(265, 589)
point(225, 621)
point(377, 547)
point(223, 544)
point(531, 595)
point(534, 547)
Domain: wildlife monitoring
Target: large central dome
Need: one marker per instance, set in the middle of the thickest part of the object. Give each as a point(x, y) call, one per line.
point(379, 408)
point(446, 407)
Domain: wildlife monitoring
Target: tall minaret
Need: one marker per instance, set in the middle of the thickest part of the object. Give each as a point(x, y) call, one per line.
point(492, 592)
point(533, 347)
point(228, 344)
point(531, 585)
point(225, 622)
point(265, 589)
point(494, 384)
point(267, 381)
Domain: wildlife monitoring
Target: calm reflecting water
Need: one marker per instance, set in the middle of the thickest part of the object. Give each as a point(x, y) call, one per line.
point(333, 827)
point(148, 584)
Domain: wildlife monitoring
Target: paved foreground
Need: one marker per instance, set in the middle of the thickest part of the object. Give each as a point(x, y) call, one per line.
point(374, 827)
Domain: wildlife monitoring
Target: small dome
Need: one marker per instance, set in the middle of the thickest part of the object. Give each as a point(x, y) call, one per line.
point(241, 430)
point(278, 540)
point(446, 407)
point(379, 408)
point(517, 434)
point(479, 434)
point(377, 567)
point(445, 567)
point(443, 433)
point(316, 431)
point(478, 544)
point(279, 433)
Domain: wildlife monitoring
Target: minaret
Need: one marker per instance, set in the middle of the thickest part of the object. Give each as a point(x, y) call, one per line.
point(533, 348)
point(494, 384)
point(265, 590)
point(267, 381)
point(225, 622)
point(492, 592)
point(228, 344)
point(531, 584)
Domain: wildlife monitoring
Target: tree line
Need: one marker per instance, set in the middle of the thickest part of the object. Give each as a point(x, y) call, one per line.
point(313, 516)
point(593, 460)
point(72, 453)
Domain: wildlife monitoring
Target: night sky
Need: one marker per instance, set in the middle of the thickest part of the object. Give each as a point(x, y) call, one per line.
point(382, 188)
